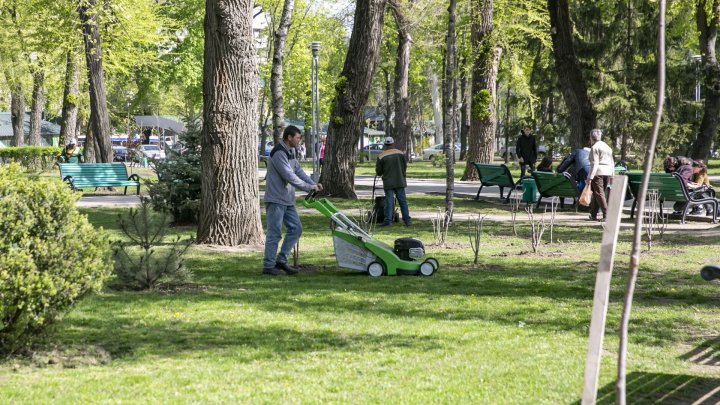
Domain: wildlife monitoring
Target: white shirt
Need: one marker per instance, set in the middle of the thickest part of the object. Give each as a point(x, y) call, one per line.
point(601, 160)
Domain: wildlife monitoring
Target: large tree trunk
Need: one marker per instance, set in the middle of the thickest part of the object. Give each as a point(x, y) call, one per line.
point(276, 76)
point(708, 36)
point(36, 110)
point(230, 206)
point(353, 87)
point(435, 100)
point(449, 98)
point(90, 148)
point(100, 119)
point(465, 93)
point(387, 124)
point(17, 114)
point(583, 117)
point(69, 110)
point(402, 130)
point(484, 83)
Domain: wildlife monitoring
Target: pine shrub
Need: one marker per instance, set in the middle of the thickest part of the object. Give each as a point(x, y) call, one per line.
point(177, 190)
point(145, 260)
point(50, 255)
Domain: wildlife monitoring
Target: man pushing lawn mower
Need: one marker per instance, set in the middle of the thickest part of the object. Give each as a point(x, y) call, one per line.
point(284, 175)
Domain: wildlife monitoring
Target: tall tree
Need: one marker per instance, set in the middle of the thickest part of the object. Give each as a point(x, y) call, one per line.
point(435, 102)
point(99, 117)
point(69, 102)
point(449, 98)
point(582, 114)
point(708, 32)
point(17, 112)
point(230, 207)
point(483, 116)
point(402, 130)
point(353, 88)
point(276, 76)
point(37, 107)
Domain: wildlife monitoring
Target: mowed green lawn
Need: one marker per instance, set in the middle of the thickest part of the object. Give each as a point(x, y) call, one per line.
point(512, 329)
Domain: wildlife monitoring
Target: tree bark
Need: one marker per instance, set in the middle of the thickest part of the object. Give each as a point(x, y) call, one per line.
point(99, 117)
point(708, 32)
point(70, 92)
point(230, 207)
point(402, 130)
point(17, 114)
point(483, 116)
point(387, 124)
point(276, 75)
point(435, 99)
point(90, 149)
point(36, 110)
point(449, 110)
point(581, 111)
point(353, 88)
point(465, 93)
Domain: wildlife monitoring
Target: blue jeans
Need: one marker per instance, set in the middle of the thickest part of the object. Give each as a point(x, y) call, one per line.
point(390, 194)
point(275, 216)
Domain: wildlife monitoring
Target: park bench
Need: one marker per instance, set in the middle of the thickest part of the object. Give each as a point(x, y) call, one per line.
point(670, 187)
point(86, 175)
point(495, 175)
point(561, 185)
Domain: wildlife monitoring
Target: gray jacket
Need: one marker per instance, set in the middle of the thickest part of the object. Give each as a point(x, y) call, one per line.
point(284, 175)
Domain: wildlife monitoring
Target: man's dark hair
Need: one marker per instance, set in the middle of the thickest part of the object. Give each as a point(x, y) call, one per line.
point(291, 130)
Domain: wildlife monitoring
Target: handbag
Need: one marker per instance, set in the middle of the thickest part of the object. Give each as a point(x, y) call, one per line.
point(585, 196)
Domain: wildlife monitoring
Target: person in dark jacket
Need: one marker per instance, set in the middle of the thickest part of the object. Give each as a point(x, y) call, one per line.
point(391, 165)
point(579, 161)
point(526, 150)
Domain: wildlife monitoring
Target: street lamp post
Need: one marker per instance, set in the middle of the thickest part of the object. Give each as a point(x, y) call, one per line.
point(315, 112)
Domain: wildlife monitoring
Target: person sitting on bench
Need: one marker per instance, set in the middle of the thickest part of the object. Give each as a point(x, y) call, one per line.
point(579, 163)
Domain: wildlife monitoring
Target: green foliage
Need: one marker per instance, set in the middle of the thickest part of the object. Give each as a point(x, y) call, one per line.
point(32, 158)
point(50, 255)
point(143, 263)
point(339, 121)
point(177, 190)
point(481, 105)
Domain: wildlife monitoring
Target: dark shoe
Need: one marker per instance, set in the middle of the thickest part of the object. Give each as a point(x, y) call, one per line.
point(286, 268)
point(274, 272)
point(592, 218)
point(385, 224)
point(408, 224)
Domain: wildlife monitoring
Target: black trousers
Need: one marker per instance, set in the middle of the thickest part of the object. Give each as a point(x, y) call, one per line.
point(598, 202)
point(523, 165)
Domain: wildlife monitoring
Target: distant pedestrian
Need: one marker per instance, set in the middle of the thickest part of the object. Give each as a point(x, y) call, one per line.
point(602, 165)
point(391, 165)
point(527, 150)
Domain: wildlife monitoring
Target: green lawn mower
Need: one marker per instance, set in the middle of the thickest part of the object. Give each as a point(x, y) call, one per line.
point(355, 249)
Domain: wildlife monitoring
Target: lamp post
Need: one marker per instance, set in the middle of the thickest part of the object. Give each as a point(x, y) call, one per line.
point(315, 112)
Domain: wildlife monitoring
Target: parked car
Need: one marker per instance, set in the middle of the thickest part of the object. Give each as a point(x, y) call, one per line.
point(268, 147)
point(371, 152)
point(151, 152)
point(120, 154)
point(439, 148)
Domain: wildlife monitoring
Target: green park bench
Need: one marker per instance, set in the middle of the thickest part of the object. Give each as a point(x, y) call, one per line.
point(670, 187)
point(561, 185)
point(495, 175)
point(86, 175)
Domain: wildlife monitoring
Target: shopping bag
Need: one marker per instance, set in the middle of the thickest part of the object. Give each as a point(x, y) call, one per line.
point(586, 195)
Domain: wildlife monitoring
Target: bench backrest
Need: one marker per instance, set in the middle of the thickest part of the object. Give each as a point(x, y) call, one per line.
point(668, 185)
point(494, 175)
point(94, 171)
point(551, 185)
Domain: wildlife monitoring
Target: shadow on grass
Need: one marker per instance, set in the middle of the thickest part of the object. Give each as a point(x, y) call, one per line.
point(660, 388)
point(706, 353)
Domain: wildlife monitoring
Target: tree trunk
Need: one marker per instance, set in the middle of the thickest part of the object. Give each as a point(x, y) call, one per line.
point(100, 120)
point(483, 117)
point(276, 75)
point(465, 93)
point(388, 105)
point(90, 149)
point(230, 207)
point(402, 130)
point(449, 109)
point(17, 114)
point(435, 98)
point(38, 104)
point(70, 92)
point(708, 32)
point(583, 117)
point(353, 88)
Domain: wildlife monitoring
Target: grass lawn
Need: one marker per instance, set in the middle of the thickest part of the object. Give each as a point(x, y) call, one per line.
point(512, 329)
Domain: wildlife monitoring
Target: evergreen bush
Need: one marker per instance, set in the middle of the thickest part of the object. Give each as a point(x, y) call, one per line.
point(32, 158)
point(145, 261)
point(50, 255)
point(177, 190)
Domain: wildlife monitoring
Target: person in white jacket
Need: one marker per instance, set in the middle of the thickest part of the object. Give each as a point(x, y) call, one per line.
point(602, 165)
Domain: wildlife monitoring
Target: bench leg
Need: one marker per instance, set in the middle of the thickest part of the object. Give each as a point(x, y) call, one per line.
point(125, 192)
point(632, 210)
point(138, 189)
point(684, 213)
point(477, 197)
point(538, 203)
point(562, 203)
point(501, 191)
